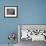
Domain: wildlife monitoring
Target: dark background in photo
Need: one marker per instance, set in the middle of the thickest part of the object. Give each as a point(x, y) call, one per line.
point(10, 11)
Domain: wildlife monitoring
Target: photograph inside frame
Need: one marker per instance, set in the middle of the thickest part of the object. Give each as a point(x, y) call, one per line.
point(10, 11)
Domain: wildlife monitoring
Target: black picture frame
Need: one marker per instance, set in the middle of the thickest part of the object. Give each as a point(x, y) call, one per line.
point(11, 16)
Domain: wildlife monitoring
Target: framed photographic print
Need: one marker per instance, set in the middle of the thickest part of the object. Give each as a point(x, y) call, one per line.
point(10, 11)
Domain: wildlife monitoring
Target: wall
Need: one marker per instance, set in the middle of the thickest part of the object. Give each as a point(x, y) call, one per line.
point(29, 12)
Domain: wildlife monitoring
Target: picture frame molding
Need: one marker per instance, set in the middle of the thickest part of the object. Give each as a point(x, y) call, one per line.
point(11, 7)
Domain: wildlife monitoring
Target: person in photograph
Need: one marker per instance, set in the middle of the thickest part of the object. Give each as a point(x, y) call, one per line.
point(10, 11)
